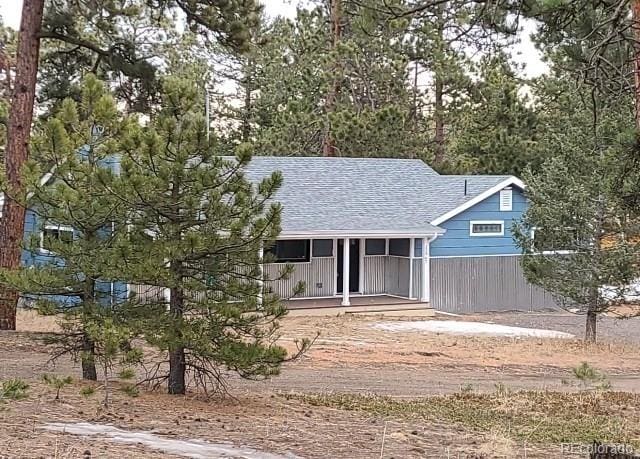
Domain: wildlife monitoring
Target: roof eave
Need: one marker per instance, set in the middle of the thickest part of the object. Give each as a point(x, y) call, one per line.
point(328, 234)
point(511, 181)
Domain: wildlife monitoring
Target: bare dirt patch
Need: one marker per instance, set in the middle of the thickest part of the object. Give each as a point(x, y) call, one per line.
point(345, 341)
point(349, 357)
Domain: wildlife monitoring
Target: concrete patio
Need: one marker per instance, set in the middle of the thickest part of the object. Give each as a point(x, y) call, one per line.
point(378, 304)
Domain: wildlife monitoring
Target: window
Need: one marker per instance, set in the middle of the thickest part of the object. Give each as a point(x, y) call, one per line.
point(486, 228)
point(506, 199)
point(399, 247)
point(556, 241)
point(53, 234)
point(375, 247)
point(290, 251)
point(322, 248)
point(417, 248)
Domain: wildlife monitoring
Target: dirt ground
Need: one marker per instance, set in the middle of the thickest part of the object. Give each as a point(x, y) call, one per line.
point(349, 356)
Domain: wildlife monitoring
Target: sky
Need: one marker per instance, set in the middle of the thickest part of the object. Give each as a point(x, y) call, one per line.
point(524, 52)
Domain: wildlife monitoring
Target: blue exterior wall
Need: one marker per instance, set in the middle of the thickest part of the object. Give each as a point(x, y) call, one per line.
point(112, 293)
point(457, 241)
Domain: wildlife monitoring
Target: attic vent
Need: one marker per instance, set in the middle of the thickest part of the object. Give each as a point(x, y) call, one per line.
point(506, 199)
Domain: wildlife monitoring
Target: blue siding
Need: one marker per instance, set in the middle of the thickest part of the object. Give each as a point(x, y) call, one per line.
point(457, 241)
point(110, 293)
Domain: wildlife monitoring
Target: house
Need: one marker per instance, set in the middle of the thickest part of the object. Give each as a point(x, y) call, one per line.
point(357, 228)
point(363, 231)
point(40, 231)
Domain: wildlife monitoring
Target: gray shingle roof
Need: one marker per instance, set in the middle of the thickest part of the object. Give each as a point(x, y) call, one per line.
point(362, 195)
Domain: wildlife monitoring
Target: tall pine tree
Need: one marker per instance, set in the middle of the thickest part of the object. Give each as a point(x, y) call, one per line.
point(75, 223)
point(198, 229)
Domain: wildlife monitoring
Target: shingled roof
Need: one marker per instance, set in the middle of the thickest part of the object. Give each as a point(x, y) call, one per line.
point(360, 196)
point(365, 196)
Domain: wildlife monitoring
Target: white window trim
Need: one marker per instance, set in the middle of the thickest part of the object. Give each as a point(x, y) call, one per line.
point(386, 247)
point(333, 248)
point(280, 263)
point(486, 222)
point(547, 252)
point(510, 207)
point(52, 227)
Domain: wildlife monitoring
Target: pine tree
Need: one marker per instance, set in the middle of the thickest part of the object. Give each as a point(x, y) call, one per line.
point(8, 47)
point(578, 240)
point(72, 268)
point(17, 151)
point(129, 47)
point(496, 131)
point(348, 96)
point(197, 233)
point(83, 26)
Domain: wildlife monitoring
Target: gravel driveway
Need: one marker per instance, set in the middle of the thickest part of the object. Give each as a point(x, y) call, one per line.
point(609, 329)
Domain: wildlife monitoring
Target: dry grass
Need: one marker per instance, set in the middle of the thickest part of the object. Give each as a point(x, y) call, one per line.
point(524, 416)
point(263, 422)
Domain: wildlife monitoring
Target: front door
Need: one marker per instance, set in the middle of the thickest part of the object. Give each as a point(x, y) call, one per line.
point(354, 265)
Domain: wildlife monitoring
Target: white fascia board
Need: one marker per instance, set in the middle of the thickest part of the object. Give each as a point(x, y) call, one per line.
point(43, 181)
point(481, 197)
point(358, 234)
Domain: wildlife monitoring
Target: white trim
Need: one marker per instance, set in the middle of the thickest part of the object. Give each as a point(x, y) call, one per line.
point(353, 295)
point(335, 267)
point(479, 256)
point(376, 234)
point(43, 181)
point(346, 248)
point(412, 249)
point(547, 252)
point(276, 262)
point(361, 265)
point(425, 288)
point(386, 246)
point(486, 222)
point(261, 274)
point(50, 226)
point(481, 197)
point(311, 256)
point(506, 195)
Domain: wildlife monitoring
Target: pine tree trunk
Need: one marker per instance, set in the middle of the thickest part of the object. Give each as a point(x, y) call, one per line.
point(17, 151)
point(88, 361)
point(177, 363)
point(328, 142)
point(248, 103)
point(590, 332)
point(440, 154)
point(636, 58)
point(88, 346)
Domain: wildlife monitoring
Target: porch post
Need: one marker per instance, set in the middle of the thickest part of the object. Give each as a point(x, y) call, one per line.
point(345, 273)
point(425, 294)
point(412, 247)
point(261, 274)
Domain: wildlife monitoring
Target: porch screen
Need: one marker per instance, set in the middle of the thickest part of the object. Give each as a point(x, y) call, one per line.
point(399, 247)
point(375, 247)
point(290, 251)
point(323, 248)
